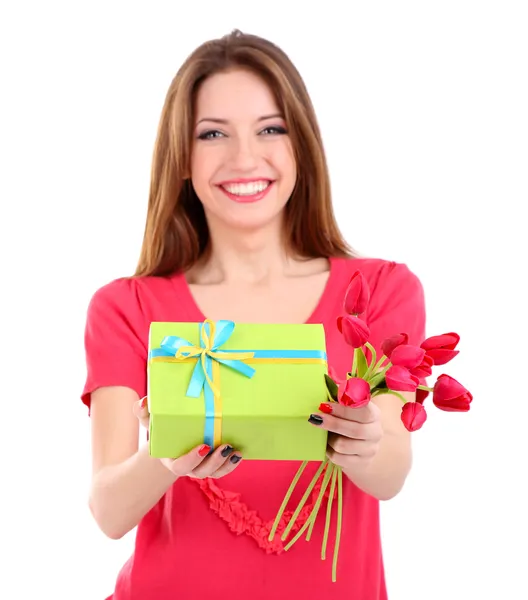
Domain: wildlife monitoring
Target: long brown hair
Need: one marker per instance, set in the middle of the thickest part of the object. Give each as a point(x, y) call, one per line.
point(176, 233)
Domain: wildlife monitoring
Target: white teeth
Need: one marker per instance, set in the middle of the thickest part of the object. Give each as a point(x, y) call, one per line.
point(246, 189)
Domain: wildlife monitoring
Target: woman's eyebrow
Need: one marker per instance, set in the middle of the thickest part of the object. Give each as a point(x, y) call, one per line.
point(225, 121)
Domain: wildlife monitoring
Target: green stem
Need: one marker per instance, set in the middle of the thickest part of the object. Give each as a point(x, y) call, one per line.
point(329, 512)
point(380, 362)
point(317, 506)
point(379, 376)
point(339, 522)
point(303, 500)
point(315, 510)
point(379, 392)
point(354, 363)
point(286, 500)
point(372, 360)
point(425, 388)
point(385, 369)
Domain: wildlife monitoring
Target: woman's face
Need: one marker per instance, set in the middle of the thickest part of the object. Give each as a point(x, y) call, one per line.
point(242, 163)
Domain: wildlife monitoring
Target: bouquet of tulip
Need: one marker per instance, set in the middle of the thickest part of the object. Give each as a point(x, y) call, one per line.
point(401, 368)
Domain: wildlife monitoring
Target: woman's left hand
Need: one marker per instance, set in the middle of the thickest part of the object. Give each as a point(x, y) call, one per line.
point(354, 433)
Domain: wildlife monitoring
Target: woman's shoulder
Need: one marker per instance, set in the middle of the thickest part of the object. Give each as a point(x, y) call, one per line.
point(384, 277)
point(134, 289)
point(134, 297)
point(377, 271)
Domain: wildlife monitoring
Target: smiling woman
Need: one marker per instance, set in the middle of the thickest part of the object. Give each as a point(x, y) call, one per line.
point(240, 227)
point(237, 109)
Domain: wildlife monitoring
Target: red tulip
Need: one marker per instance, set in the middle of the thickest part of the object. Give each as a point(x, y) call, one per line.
point(388, 345)
point(354, 330)
point(413, 416)
point(407, 356)
point(355, 392)
point(450, 395)
point(400, 379)
point(421, 395)
point(357, 295)
point(424, 369)
point(441, 348)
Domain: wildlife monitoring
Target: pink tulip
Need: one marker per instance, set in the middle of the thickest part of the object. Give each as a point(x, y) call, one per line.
point(355, 392)
point(407, 356)
point(413, 416)
point(424, 369)
point(388, 345)
point(354, 330)
point(357, 295)
point(450, 395)
point(400, 379)
point(441, 348)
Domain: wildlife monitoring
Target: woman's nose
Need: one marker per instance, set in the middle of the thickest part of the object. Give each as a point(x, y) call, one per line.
point(244, 155)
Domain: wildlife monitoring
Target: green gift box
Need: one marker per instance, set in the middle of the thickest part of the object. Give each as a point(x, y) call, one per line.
point(250, 385)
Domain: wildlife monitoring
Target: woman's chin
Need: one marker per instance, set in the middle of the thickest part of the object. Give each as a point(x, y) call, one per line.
point(257, 221)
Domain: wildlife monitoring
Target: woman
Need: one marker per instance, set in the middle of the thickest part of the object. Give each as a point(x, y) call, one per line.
point(240, 226)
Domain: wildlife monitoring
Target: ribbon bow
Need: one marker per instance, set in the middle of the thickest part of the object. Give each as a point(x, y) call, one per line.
point(212, 337)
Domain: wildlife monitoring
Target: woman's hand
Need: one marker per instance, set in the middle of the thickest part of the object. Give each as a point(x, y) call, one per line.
point(197, 463)
point(354, 434)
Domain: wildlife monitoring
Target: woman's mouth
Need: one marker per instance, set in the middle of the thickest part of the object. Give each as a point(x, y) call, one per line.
point(246, 191)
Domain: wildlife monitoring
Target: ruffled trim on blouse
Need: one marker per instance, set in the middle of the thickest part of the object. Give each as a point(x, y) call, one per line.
point(241, 519)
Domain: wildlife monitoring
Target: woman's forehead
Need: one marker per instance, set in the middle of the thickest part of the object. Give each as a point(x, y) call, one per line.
point(235, 95)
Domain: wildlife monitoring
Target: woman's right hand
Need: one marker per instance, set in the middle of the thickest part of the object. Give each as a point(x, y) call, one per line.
point(197, 463)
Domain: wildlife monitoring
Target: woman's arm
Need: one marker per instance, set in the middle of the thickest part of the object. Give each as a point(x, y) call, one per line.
point(384, 475)
point(126, 482)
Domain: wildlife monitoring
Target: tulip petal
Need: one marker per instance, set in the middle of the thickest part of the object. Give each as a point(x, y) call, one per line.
point(440, 356)
point(421, 395)
point(441, 348)
point(425, 369)
point(400, 379)
point(388, 345)
point(448, 341)
point(407, 356)
point(413, 416)
point(354, 330)
point(355, 392)
point(357, 295)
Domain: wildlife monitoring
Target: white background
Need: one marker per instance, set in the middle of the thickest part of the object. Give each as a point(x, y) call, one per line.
point(423, 107)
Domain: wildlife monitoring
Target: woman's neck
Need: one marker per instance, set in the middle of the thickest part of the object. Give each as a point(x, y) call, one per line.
point(247, 258)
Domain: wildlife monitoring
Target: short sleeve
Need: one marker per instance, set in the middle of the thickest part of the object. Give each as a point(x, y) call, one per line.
point(397, 305)
point(115, 340)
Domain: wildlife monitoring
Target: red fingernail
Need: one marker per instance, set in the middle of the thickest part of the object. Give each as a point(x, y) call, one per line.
point(326, 408)
point(143, 402)
point(204, 450)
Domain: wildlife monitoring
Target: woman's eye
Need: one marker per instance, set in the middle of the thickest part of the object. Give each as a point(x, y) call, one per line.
point(210, 135)
point(274, 131)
